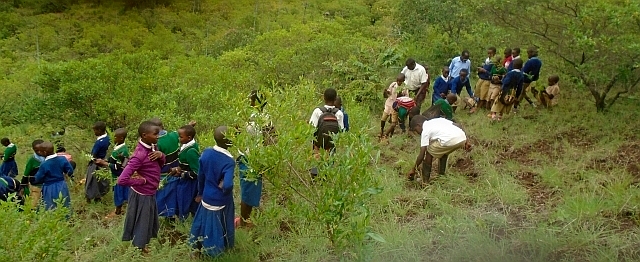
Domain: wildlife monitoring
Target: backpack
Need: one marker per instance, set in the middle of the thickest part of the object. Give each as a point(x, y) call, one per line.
point(327, 124)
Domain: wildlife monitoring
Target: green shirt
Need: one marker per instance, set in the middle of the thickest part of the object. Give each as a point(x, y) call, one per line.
point(189, 158)
point(10, 152)
point(116, 160)
point(169, 144)
point(446, 108)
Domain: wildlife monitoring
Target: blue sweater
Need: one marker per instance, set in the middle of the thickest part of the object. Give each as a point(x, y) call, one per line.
point(441, 86)
point(513, 79)
point(456, 86)
point(486, 75)
point(52, 170)
point(216, 165)
point(100, 148)
point(532, 67)
point(345, 119)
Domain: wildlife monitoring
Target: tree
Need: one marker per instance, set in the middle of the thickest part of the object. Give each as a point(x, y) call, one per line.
point(598, 41)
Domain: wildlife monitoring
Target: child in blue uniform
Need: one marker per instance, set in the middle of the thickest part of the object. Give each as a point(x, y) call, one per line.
point(96, 188)
point(187, 171)
point(117, 162)
point(212, 230)
point(51, 175)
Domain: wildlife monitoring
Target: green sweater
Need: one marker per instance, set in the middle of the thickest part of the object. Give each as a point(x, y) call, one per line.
point(189, 158)
point(169, 144)
point(446, 108)
point(10, 152)
point(116, 160)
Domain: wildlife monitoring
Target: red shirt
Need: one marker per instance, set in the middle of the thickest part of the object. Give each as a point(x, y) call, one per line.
point(507, 61)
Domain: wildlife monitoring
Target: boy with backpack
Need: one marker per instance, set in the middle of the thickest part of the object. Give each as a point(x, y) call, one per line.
point(327, 120)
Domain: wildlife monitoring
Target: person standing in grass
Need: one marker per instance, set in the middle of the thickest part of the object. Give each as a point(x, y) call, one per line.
point(28, 182)
point(515, 54)
point(459, 63)
point(9, 167)
point(96, 188)
point(344, 113)
point(416, 79)
point(327, 120)
point(259, 125)
point(213, 230)
point(531, 70)
point(507, 57)
point(169, 145)
point(391, 94)
point(484, 81)
point(511, 89)
point(117, 161)
point(439, 137)
point(51, 176)
point(142, 175)
point(441, 86)
point(187, 172)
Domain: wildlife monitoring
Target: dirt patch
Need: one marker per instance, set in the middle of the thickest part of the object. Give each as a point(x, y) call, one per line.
point(540, 196)
point(266, 256)
point(626, 219)
point(577, 137)
point(285, 226)
point(626, 156)
point(466, 166)
point(523, 155)
point(172, 237)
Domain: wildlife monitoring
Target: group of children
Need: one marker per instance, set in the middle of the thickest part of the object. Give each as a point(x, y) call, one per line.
point(502, 84)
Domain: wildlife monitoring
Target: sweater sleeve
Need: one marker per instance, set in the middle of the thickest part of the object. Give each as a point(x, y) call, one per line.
point(29, 167)
point(39, 179)
point(125, 178)
point(468, 86)
point(193, 161)
point(452, 86)
point(67, 168)
point(227, 172)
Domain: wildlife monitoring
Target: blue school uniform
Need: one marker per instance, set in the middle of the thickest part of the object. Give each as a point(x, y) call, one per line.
point(187, 185)
point(117, 160)
point(457, 84)
point(9, 167)
point(532, 67)
point(167, 195)
point(345, 119)
point(441, 85)
point(95, 188)
point(212, 229)
point(51, 175)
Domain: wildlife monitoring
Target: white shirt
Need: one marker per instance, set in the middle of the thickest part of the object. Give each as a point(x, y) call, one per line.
point(393, 90)
point(415, 78)
point(442, 130)
point(457, 65)
point(315, 116)
point(101, 137)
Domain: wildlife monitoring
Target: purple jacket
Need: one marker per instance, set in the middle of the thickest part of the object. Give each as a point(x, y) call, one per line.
point(147, 169)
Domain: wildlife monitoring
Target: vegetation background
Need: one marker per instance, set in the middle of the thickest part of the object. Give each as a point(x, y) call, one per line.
point(557, 185)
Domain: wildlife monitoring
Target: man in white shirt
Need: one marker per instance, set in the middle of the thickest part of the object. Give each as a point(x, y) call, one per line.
point(458, 63)
point(416, 79)
point(439, 137)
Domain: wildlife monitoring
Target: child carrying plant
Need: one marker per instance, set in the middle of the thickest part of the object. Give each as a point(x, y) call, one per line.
point(95, 187)
point(51, 175)
point(116, 163)
point(187, 172)
point(251, 187)
point(28, 182)
point(213, 230)
point(391, 94)
point(142, 174)
point(9, 167)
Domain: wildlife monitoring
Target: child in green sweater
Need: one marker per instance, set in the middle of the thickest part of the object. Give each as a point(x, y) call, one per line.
point(9, 167)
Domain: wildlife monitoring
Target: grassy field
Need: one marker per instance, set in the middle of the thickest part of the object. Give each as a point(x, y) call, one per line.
point(541, 185)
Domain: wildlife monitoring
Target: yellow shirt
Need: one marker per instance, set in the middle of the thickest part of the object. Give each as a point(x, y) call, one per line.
point(555, 91)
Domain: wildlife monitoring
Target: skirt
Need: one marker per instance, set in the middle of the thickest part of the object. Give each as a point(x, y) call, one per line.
point(166, 198)
point(9, 168)
point(95, 188)
point(213, 231)
point(141, 221)
point(186, 191)
point(120, 194)
point(250, 191)
point(55, 191)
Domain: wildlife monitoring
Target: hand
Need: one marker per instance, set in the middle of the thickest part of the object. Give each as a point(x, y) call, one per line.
point(481, 70)
point(220, 185)
point(192, 123)
point(198, 199)
point(153, 156)
point(443, 95)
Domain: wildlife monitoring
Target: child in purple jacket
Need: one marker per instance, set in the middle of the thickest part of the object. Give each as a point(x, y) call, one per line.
point(142, 174)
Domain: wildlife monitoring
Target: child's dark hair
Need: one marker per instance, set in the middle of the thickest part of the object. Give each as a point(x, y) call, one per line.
point(517, 63)
point(492, 49)
point(61, 149)
point(189, 130)
point(121, 132)
point(36, 142)
point(516, 50)
point(5, 140)
point(414, 111)
point(146, 127)
point(100, 126)
point(330, 95)
point(464, 70)
point(554, 78)
point(416, 120)
point(465, 53)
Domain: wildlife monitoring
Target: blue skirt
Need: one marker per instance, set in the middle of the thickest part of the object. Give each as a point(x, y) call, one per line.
point(120, 194)
point(213, 231)
point(54, 191)
point(186, 191)
point(166, 197)
point(9, 168)
point(250, 191)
